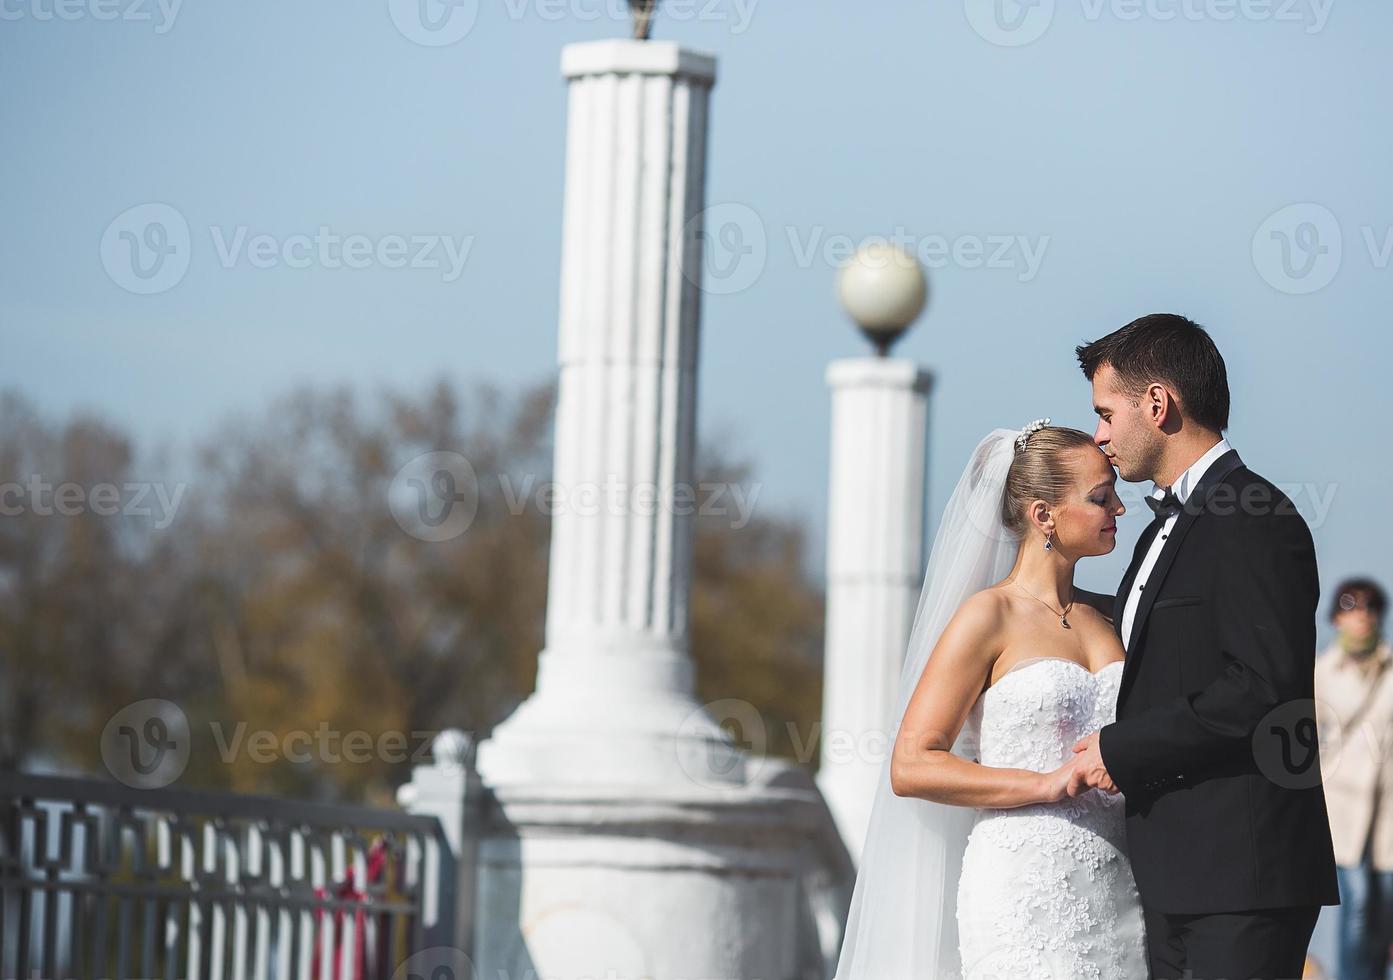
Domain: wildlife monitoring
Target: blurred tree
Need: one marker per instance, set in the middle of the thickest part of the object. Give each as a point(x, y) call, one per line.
point(92, 597)
point(285, 597)
point(757, 623)
point(327, 616)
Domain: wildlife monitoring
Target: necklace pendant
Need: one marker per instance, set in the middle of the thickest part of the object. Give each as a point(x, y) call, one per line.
point(1064, 621)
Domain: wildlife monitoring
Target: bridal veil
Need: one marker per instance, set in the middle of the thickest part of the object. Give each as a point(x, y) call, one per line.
point(902, 924)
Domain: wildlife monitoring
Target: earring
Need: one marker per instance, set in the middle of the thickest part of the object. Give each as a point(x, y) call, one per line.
point(1048, 535)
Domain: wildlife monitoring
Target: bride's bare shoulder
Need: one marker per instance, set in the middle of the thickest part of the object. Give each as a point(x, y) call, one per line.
point(982, 612)
point(974, 634)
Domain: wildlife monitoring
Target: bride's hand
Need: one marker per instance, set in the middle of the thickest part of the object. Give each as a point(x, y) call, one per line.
point(1057, 784)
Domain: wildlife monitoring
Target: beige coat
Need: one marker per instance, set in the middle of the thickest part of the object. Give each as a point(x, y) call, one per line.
point(1357, 762)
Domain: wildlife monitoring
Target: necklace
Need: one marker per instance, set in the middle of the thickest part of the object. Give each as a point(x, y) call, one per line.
point(1062, 614)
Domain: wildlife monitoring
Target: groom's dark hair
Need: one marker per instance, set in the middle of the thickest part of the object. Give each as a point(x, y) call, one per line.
point(1166, 347)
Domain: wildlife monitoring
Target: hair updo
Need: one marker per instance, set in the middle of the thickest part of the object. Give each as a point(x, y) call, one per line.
point(1039, 472)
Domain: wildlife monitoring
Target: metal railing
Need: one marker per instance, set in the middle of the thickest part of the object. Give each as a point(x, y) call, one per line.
point(99, 880)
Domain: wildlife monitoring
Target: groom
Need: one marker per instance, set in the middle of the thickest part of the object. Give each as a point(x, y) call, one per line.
point(1214, 745)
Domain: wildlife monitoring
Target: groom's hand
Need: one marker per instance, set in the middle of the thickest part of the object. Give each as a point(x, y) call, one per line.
point(1089, 771)
point(1100, 601)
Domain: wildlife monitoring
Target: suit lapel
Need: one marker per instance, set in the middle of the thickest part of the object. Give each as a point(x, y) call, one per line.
point(1195, 505)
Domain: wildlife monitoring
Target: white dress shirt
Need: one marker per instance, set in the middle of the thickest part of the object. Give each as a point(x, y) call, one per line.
point(1182, 489)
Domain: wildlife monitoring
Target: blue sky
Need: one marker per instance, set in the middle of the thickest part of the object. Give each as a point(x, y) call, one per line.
point(1223, 159)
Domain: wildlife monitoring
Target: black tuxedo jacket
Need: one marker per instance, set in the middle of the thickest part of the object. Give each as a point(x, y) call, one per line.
point(1214, 744)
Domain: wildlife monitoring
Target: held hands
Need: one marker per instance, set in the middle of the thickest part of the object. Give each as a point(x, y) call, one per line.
point(1088, 769)
point(1056, 784)
point(1083, 772)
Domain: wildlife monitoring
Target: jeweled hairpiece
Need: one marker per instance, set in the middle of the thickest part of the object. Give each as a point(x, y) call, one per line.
point(1028, 431)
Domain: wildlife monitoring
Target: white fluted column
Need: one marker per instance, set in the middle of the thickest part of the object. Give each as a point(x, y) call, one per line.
point(614, 698)
point(621, 832)
point(874, 562)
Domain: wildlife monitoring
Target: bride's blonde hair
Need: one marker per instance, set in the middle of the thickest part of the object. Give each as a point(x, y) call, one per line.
point(1040, 471)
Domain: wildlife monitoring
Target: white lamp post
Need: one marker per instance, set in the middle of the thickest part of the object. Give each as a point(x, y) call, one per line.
point(884, 289)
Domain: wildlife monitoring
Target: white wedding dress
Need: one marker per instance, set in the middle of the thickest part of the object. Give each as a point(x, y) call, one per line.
point(1041, 892)
point(1046, 890)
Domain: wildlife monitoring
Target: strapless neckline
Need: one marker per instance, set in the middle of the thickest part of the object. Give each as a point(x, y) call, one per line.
point(1062, 660)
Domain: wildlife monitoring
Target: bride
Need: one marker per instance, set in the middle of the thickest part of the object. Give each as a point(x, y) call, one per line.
point(985, 857)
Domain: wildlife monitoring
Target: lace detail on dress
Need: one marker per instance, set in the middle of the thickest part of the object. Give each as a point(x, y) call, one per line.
point(1046, 890)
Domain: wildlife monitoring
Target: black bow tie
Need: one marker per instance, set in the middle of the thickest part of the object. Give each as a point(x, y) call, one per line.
point(1165, 505)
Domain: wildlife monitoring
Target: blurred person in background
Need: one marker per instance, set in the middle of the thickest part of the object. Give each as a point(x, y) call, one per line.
point(1354, 710)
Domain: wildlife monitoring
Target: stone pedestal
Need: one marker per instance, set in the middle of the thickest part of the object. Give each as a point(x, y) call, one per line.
point(670, 883)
